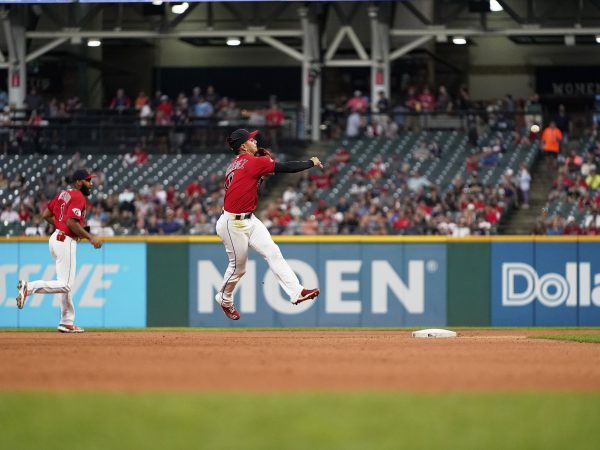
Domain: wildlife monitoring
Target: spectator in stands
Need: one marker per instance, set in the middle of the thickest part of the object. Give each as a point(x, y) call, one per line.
point(462, 229)
point(573, 162)
point(120, 101)
point(563, 123)
point(9, 215)
point(229, 110)
point(463, 99)
point(412, 104)
point(274, 118)
point(141, 100)
point(551, 139)
point(416, 180)
point(489, 158)
point(211, 95)
point(354, 125)
point(421, 152)
point(572, 227)
point(358, 104)
point(170, 225)
point(383, 104)
point(555, 228)
point(426, 100)
point(444, 102)
point(593, 179)
point(586, 165)
point(472, 163)
point(193, 98)
point(34, 101)
point(138, 156)
point(524, 185)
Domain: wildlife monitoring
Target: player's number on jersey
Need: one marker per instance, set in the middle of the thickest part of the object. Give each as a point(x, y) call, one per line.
point(229, 179)
point(62, 210)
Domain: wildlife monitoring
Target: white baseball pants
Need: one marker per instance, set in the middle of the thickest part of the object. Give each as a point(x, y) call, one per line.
point(63, 253)
point(238, 236)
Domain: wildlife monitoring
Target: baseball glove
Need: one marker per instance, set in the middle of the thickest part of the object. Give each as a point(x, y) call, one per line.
point(264, 152)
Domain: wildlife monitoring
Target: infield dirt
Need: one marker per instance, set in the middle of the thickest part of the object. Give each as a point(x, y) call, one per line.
point(295, 360)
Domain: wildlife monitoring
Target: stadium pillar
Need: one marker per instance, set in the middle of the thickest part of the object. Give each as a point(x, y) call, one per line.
point(311, 74)
point(380, 55)
point(14, 30)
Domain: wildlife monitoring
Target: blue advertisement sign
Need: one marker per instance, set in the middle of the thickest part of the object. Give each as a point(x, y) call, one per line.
point(545, 284)
point(376, 285)
point(109, 290)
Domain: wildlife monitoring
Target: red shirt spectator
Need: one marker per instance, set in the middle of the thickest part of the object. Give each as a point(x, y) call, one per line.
point(165, 106)
point(358, 103)
point(194, 188)
point(342, 155)
point(427, 100)
point(140, 155)
point(274, 116)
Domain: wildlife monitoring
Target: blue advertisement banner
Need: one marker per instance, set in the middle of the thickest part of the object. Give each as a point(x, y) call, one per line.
point(109, 291)
point(376, 285)
point(545, 284)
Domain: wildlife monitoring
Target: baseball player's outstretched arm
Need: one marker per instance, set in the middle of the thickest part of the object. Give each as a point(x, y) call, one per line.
point(76, 228)
point(297, 166)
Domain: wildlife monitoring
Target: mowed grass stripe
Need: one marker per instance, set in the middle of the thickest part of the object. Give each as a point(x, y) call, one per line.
point(90, 421)
point(587, 338)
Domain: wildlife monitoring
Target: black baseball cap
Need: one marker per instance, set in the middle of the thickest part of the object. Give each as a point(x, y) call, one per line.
point(81, 174)
point(238, 137)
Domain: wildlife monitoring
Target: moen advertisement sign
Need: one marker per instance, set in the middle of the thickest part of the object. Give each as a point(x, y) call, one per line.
point(545, 284)
point(375, 285)
point(109, 291)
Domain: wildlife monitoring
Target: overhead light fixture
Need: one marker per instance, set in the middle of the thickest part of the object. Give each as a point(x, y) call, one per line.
point(569, 40)
point(180, 8)
point(233, 41)
point(94, 43)
point(598, 39)
point(157, 2)
point(459, 40)
point(495, 6)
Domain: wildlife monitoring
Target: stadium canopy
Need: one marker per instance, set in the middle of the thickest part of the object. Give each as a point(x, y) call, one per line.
point(315, 34)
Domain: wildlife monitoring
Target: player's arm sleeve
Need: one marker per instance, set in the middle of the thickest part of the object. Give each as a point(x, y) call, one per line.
point(292, 166)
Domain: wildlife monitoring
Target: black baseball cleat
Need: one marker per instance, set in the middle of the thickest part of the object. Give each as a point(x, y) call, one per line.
point(306, 294)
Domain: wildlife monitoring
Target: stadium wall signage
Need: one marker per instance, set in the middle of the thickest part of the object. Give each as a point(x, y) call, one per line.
point(364, 281)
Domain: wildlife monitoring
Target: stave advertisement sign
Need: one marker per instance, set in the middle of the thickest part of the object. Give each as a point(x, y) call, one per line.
point(378, 285)
point(546, 284)
point(109, 291)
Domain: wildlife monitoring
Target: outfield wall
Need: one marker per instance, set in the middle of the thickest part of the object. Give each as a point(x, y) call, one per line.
point(364, 282)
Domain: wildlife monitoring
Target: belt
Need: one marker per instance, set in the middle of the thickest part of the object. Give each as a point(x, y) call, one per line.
point(241, 216)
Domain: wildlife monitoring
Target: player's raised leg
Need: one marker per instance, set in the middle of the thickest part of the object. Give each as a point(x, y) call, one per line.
point(262, 242)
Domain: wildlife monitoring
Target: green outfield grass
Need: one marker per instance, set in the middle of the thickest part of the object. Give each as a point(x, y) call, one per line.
point(361, 421)
point(595, 338)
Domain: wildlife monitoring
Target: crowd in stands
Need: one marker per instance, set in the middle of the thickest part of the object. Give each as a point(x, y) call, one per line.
point(391, 197)
point(577, 187)
point(170, 122)
point(153, 209)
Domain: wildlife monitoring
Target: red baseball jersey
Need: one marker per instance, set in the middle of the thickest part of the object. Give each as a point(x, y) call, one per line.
point(69, 204)
point(242, 180)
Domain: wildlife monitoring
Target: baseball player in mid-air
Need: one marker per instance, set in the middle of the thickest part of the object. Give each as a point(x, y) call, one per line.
point(66, 212)
point(240, 229)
